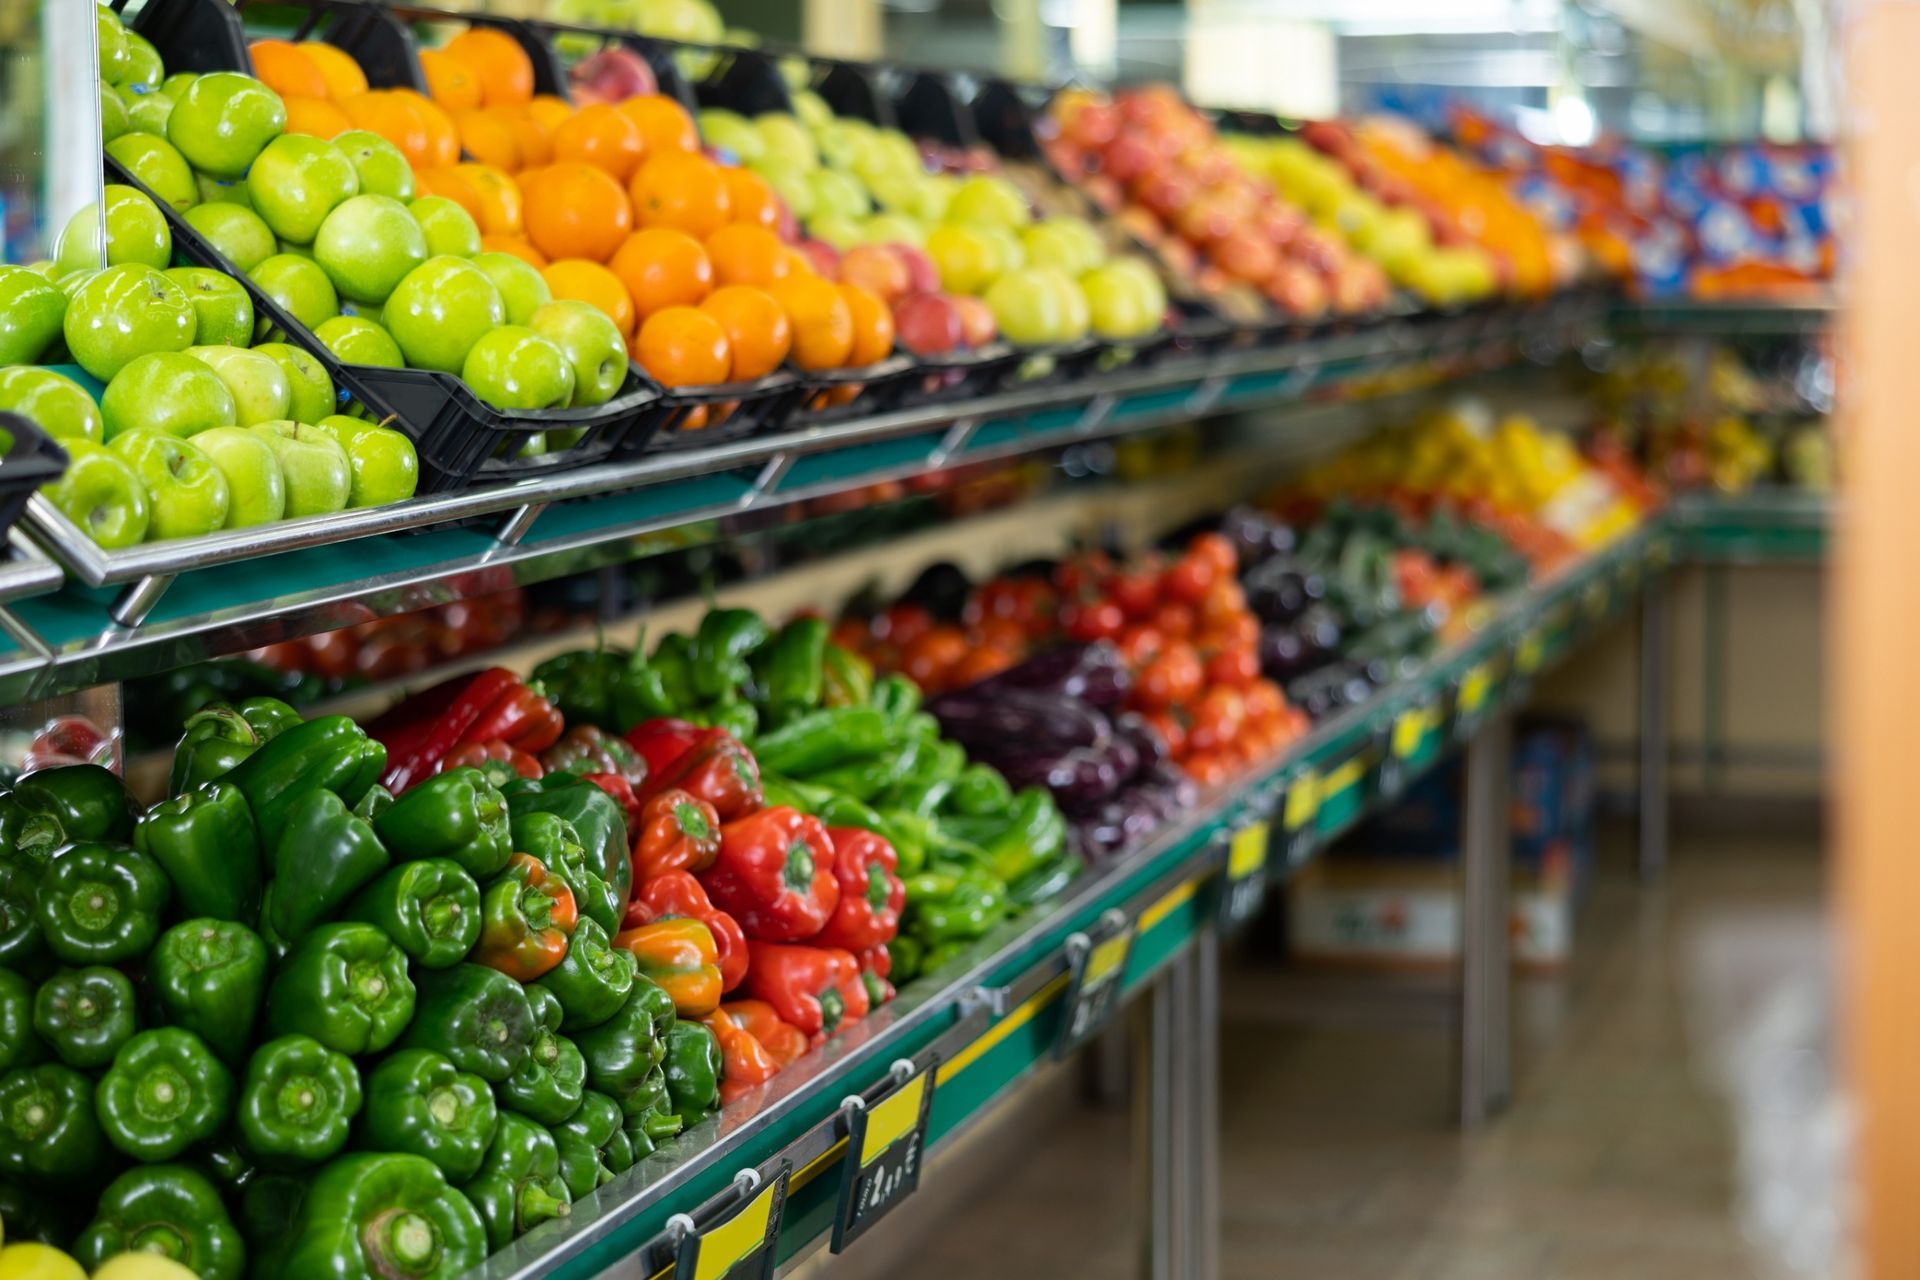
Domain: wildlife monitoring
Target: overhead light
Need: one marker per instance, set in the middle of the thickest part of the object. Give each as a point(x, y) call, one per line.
point(1573, 120)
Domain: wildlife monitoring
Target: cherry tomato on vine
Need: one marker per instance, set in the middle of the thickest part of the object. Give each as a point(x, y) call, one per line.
point(1209, 769)
point(1223, 602)
point(1235, 667)
point(1137, 592)
point(1265, 703)
point(928, 659)
point(1173, 620)
point(1092, 620)
point(1216, 549)
point(1139, 643)
point(983, 662)
point(902, 624)
point(1189, 580)
point(1239, 631)
point(1171, 731)
point(1170, 680)
point(1217, 719)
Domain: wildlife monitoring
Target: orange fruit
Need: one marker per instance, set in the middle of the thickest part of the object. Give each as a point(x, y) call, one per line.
point(576, 211)
point(682, 191)
point(758, 331)
point(872, 325)
point(501, 213)
point(488, 138)
point(316, 116)
point(535, 140)
point(683, 347)
point(599, 135)
point(593, 284)
point(664, 124)
point(393, 118)
point(822, 322)
point(514, 245)
point(443, 139)
point(663, 268)
point(286, 69)
point(502, 67)
point(750, 200)
point(748, 255)
point(450, 183)
point(336, 66)
point(799, 264)
point(451, 81)
point(548, 111)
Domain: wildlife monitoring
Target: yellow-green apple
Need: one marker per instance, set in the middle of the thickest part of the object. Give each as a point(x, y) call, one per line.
point(223, 191)
point(100, 494)
point(591, 343)
point(989, 201)
point(313, 393)
point(967, 257)
point(143, 69)
point(449, 229)
point(384, 464)
point(299, 286)
point(223, 312)
point(726, 130)
point(113, 115)
point(31, 309)
point(235, 231)
point(789, 182)
point(358, 340)
point(440, 310)
point(893, 228)
point(1067, 243)
point(512, 367)
point(112, 41)
point(169, 392)
point(522, 288)
point(176, 84)
point(256, 491)
point(52, 401)
point(1123, 302)
point(383, 170)
point(160, 169)
point(836, 193)
point(136, 232)
point(122, 313)
point(149, 111)
point(224, 120)
point(297, 181)
point(836, 230)
point(187, 494)
point(369, 243)
point(319, 478)
point(260, 387)
point(784, 138)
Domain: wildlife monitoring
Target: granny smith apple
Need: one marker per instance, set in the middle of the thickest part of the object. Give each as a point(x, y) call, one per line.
point(988, 200)
point(235, 232)
point(113, 46)
point(256, 491)
point(1122, 302)
point(224, 120)
point(313, 395)
point(149, 110)
point(161, 169)
point(176, 85)
point(1055, 243)
point(967, 258)
point(299, 286)
point(294, 250)
point(811, 108)
point(169, 392)
point(449, 228)
point(125, 312)
point(223, 191)
point(358, 340)
point(223, 311)
point(136, 232)
point(730, 131)
point(52, 401)
point(1075, 316)
point(383, 170)
point(368, 245)
point(440, 310)
point(836, 229)
point(260, 387)
point(837, 193)
point(319, 478)
point(1028, 306)
point(522, 288)
point(591, 342)
point(297, 181)
point(512, 367)
point(101, 495)
point(31, 309)
point(187, 495)
point(385, 466)
point(790, 183)
point(113, 115)
point(784, 138)
point(143, 69)
point(893, 228)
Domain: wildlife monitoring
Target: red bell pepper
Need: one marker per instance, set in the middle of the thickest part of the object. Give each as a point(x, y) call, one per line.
point(871, 895)
point(717, 769)
point(783, 1041)
point(747, 1063)
point(775, 875)
point(587, 749)
point(661, 742)
point(876, 965)
point(622, 792)
point(487, 706)
point(676, 893)
point(817, 989)
point(676, 833)
point(527, 917)
point(499, 762)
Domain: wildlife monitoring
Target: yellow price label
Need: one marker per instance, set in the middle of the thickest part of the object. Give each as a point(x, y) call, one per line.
point(1408, 729)
point(726, 1246)
point(1107, 957)
point(893, 1118)
point(1303, 801)
point(1248, 852)
point(1473, 690)
point(1532, 652)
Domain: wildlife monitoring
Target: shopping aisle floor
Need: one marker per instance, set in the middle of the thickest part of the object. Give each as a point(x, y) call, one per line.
point(1615, 1159)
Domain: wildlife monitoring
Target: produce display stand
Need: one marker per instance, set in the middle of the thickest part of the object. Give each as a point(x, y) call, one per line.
point(1763, 526)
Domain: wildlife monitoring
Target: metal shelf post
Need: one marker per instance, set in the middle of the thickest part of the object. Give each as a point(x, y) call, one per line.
point(1655, 656)
point(1485, 978)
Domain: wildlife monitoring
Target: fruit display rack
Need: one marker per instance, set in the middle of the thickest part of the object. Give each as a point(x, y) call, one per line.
point(1761, 526)
point(1802, 315)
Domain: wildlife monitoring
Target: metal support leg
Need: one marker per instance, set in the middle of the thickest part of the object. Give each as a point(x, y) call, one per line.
point(1204, 1146)
point(1487, 845)
point(1156, 1131)
point(1655, 656)
point(135, 602)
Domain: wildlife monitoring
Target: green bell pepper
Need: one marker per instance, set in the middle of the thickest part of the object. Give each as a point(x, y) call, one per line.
point(621, 1051)
point(390, 1216)
point(591, 1143)
point(204, 839)
point(218, 737)
point(209, 976)
point(23, 946)
point(725, 640)
point(846, 678)
point(457, 815)
point(164, 1093)
point(597, 819)
point(430, 908)
point(640, 693)
point(297, 1103)
point(552, 841)
point(321, 858)
point(693, 1070)
point(371, 805)
point(331, 753)
point(906, 953)
point(820, 740)
point(519, 1184)
point(548, 1085)
point(738, 718)
point(227, 1165)
point(168, 1209)
point(85, 1015)
point(345, 985)
point(420, 1104)
point(268, 1206)
point(790, 669)
point(34, 1214)
point(476, 1016)
point(101, 903)
point(20, 1044)
point(594, 980)
point(72, 804)
point(48, 1125)
point(581, 683)
point(980, 792)
point(648, 1114)
point(672, 665)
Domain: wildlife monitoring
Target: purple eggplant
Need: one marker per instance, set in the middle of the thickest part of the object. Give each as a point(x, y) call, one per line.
point(1092, 673)
point(1080, 780)
point(1133, 729)
point(984, 718)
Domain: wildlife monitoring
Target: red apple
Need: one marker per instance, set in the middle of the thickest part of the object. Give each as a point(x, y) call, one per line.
point(1319, 249)
point(1180, 255)
point(1128, 157)
point(1209, 165)
point(1165, 191)
point(877, 268)
point(1103, 190)
point(1279, 223)
point(1094, 125)
point(613, 75)
point(1246, 256)
point(922, 275)
point(1141, 223)
point(1296, 289)
point(825, 258)
point(928, 324)
point(1206, 220)
point(976, 320)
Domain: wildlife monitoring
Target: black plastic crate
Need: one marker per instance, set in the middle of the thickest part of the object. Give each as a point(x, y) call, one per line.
point(28, 459)
point(744, 409)
point(549, 75)
point(835, 395)
point(368, 33)
point(962, 375)
point(192, 35)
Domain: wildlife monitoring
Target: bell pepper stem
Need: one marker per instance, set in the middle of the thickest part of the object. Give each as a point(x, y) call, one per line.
point(536, 1206)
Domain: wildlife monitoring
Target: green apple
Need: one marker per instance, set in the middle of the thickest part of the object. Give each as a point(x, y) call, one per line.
point(790, 183)
point(299, 286)
point(383, 170)
point(113, 115)
point(256, 491)
point(893, 228)
point(52, 401)
point(440, 310)
point(1055, 243)
point(522, 287)
point(1075, 315)
point(160, 169)
point(989, 201)
point(512, 367)
point(113, 45)
point(224, 120)
point(836, 193)
point(592, 344)
point(149, 110)
point(450, 229)
point(968, 259)
point(235, 232)
point(31, 309)
point(838, 230)
point(223, 191)
point(176, 85)
point(1028, 306)
point(297, 181)
point(313, 393)
point(223, 311)
point(187, 495)
point(294, 250)
point(358, 340)
point(101, 495)
point(786, 138)
point(811, 108)
point(1123, 302)
point(843, 144)
point(726, 130)
point(260, 387)
point(125, 312)
point(369, 244)
point(319, 478)
point(169, 392)
point(136, 232)
point(383, 461)
point(144, 69)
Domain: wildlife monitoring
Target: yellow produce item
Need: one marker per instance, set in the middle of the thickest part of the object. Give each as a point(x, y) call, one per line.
point(142, 1266)
point(38, 1262)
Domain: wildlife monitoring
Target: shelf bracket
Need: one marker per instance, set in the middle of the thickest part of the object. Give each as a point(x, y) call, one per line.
point(515, 527)
point(953, 442)
point(772, 472)
point(1207, 394)
point(131, 606)
point(1099, 409)
point(23, 635)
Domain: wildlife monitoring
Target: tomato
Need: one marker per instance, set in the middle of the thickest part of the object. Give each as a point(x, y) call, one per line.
point(1223, 602)
point(1237, 632)
point(1217, 719)
point(851, 633)
point(929, 658)
point(984, 661)
point(1171, 731)
point(1236, 667)
point(1173, 620)
point(1137, 592)
point(1266, 705)
point(1094, 620)
point(1020, 599)
point(999, 633)
point(1189, 580)
point(1170, 680)
point(1078, 575)
point(1207, 768)
point(1138, 644)
point(1217, 549)
point(902, 624)
point(331, 653)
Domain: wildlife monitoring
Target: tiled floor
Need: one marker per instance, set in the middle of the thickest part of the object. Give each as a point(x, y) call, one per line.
point(1614, 1161)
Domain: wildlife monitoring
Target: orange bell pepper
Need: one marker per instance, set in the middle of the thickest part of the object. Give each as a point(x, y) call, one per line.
point(678, 954)
point(747, 1063)
point(785, 1042)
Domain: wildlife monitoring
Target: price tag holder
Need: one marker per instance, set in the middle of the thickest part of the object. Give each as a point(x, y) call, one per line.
point(741, 1245)
point(1531, 653)
point(1243, 875)
point(886, 1146)
point(1470, 700)
point(1597, 600)
point(1403, 740)
point(1300, 817)
point(1097, 961)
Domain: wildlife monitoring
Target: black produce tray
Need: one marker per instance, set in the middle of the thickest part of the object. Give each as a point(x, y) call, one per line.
point(745, 409)
point(835, 395)
point(193, 35)
point(30, 459)
point(368, 33)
